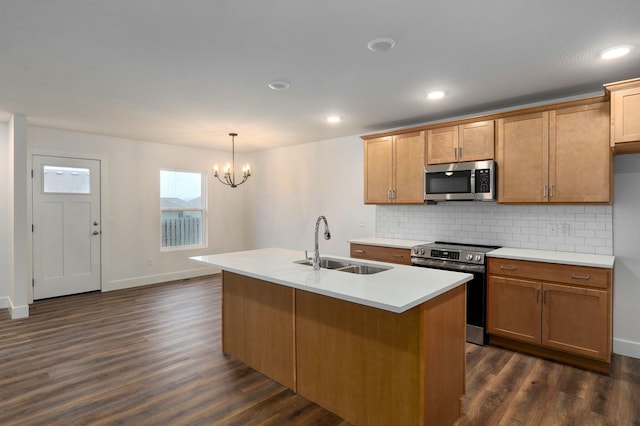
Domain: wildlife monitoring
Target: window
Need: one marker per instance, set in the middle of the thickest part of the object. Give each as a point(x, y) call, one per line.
point(66, 180)
point(183, 209)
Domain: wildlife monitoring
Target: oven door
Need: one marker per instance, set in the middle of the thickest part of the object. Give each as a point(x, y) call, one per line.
point(476, 295)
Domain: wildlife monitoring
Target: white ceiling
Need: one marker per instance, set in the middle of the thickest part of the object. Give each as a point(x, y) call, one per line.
point(191, 71)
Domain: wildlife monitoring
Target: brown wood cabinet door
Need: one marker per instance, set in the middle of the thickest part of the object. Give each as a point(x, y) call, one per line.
point(476, 141)
point(580, 158)
point(522, 157)
point(409, 168)
point(513, 308)
point(378, 169)
point(442, 145)
point(576, 320)
point(625, 115)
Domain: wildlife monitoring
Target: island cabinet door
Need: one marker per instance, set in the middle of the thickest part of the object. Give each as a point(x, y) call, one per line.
point(257, 325)
point(513, 308)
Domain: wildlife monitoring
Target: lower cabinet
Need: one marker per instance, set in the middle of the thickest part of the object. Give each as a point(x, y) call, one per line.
point(557, 311)
point(381, 254)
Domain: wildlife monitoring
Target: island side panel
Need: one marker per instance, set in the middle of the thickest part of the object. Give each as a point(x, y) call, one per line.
point(258, 325)
point(443, 353)
point(359, 362)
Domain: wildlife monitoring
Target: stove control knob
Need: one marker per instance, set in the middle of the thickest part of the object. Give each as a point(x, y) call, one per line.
point(421, 251)
point(469, 257)
point(478, 257)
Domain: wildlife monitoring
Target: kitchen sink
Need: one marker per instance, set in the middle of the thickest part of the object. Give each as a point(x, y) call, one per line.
point(345, 266)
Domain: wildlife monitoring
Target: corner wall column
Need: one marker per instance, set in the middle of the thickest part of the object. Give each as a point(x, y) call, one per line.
point(19, 232)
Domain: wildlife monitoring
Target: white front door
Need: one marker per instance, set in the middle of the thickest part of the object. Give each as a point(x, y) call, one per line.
point(66, 226)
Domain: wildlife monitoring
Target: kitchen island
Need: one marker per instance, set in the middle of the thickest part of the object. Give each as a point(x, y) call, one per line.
point(386, 348)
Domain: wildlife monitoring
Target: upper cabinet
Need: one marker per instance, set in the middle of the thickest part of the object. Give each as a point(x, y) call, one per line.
point(625, 116)
point(557, 156)
point(466, 142)
point(394, 169)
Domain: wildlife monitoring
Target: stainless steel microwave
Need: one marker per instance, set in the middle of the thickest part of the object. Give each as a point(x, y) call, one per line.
point(475, 180)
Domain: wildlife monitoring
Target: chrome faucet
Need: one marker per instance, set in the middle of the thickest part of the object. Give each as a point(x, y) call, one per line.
point(327, 236)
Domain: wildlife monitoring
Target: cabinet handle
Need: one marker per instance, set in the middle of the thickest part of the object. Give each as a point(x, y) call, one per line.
point(544, 296)
point(393, 193)
point(508, 268)
point(544, 192)
point(359, 251)
point(398, 255)
point(455, 153)
point(460, 153)
point(537, 295)
point(551, 191)
point(580, 277)
point(389, 194)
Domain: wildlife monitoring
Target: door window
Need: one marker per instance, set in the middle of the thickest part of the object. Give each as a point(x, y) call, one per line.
point(66, 180)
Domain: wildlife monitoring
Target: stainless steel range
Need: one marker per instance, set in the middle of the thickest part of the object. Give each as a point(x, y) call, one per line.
point(462, 258)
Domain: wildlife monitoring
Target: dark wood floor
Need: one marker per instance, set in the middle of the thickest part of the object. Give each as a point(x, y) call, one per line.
point(151, 356)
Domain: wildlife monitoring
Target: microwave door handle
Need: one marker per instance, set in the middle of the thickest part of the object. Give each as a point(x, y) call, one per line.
point(473, 182)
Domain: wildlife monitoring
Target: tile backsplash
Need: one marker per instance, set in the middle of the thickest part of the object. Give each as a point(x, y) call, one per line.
point(579, 228)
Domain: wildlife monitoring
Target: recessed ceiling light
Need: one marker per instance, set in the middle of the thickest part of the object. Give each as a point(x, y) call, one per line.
point(615, 52)
point(279, 85)
point(435, 94)
point(381, 44)
point(334, 119)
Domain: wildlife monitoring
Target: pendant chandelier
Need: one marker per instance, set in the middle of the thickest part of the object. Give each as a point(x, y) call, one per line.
point(229, 176)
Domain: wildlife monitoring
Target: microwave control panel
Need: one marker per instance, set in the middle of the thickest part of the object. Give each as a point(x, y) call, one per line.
point(483, 181)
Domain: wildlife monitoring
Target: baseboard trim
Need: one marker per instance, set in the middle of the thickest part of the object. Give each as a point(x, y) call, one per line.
point(626, 348)
point(158, 278)
point(18, 312)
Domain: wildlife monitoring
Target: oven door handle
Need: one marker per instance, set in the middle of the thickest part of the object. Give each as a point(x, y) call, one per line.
point(447, 265)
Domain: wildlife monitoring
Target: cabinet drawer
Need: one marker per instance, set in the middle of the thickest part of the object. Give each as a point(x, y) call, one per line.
point(381, 254)
point(542, 271)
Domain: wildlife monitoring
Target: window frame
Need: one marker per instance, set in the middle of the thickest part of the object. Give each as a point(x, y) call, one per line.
point(203, 209)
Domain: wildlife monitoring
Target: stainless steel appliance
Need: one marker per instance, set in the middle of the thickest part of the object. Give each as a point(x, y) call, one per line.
point(475, 180)
point(461, 258)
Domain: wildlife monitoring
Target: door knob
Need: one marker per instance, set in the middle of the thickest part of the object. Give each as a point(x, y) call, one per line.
point(96, 232)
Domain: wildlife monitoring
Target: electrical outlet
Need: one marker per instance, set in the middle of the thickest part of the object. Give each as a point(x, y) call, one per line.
point(363, 222)
point(552, 228)
point(565, 229)
point(149, 262)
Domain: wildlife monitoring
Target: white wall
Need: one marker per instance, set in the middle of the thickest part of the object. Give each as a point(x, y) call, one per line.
point(5, 185)
point(294, 185)
point(131, 222)
point(626, 243)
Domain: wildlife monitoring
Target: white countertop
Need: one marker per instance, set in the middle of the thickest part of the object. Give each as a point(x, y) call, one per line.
point(580, 259)
point(387, 242)
point(397, 290)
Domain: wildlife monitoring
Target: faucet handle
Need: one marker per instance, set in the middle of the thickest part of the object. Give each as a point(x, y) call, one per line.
point(306, 256)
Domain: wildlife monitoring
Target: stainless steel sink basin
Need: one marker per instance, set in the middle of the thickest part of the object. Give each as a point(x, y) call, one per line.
point(345, 266)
